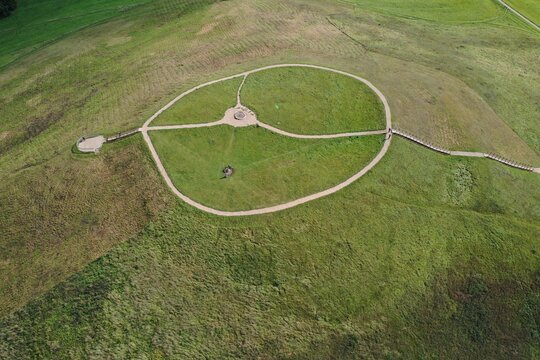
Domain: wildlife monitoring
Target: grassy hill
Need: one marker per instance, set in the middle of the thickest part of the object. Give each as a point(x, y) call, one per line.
point(428, 256)
point(38, 22)
point(270, 169)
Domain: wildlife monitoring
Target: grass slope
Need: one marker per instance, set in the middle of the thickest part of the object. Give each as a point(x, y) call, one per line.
point(36, 23)
point(495, 113)
point(204, 105)
point(467, 86)
point(440, 11)
point(75, 202)
point(270, 169)
point(58, 210)
point(528, 8)
point(311, 101)
point(427, 257)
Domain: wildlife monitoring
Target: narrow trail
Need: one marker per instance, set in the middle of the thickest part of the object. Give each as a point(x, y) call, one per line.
point(266, 210)
point(517, 13)
point(238, 102)
point(326, 136)
point(269, 128)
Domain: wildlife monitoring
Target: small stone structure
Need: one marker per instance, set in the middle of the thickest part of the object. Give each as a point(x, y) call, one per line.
point(240, 115)
point(228, 171)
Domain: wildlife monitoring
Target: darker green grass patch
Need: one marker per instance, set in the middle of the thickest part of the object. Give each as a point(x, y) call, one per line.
point(89, 293)
point(495, 317)
point(36, 23)
point(312, 101)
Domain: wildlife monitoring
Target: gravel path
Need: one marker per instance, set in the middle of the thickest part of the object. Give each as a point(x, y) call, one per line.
point(249, 122)
point(146, 128)
point(327, 136)
point(180, 127)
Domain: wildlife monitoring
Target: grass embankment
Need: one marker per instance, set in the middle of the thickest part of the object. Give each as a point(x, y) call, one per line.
point(427, 256)
point(440, 11)
point(270, 169)
point(203, 105)
point(494, 110)
point(71, 202)
point(528, 8)
point(312, 101)
point(58, 210)
point(36, 23)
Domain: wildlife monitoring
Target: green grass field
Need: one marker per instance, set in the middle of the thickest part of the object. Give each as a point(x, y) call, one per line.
point(440, 11)
point(528, 8)
point(269, 169)
point(427, 256)
point(312, 101)
point(204, 105)
point(36, 23)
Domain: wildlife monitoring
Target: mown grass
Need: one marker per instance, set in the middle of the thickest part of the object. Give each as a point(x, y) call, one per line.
point(204, 105)
point(269, 169)
point(389, 267)
point(440, 11)
point(36, 23)
point(312, 101)
point(528, 8)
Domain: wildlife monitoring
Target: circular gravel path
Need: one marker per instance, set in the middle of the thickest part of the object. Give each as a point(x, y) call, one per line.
point(388, 115)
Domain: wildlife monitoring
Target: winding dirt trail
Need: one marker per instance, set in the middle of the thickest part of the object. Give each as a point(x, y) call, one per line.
point(388, 116)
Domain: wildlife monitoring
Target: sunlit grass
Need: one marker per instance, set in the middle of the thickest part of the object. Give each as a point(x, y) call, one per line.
point(269, 169)
point(204, 105)
point(312, 101)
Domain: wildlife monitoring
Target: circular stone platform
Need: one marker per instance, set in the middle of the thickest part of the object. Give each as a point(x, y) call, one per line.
point(240, 115)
